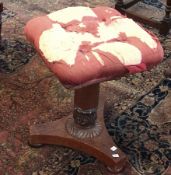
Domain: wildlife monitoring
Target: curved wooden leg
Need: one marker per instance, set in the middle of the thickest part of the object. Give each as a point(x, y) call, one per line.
point(99, 145)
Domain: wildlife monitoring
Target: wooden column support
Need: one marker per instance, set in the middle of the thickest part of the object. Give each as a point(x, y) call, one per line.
point(93, 137)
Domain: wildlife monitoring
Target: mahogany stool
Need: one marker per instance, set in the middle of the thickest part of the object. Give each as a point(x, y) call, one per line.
point(85, 46)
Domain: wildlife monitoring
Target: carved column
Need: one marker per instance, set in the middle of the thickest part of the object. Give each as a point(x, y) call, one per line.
point(84, 123)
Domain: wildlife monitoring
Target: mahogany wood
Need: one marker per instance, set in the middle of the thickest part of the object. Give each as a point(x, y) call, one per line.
point(90, 93)
point(100, 146)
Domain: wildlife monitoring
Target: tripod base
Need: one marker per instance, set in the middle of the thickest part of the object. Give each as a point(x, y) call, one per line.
point(99, 147)
point(93, 140)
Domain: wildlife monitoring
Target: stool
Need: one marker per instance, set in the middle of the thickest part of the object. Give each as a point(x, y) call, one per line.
point(83, 47)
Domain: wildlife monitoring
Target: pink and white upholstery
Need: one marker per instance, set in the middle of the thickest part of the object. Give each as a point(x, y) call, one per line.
point(83, 45)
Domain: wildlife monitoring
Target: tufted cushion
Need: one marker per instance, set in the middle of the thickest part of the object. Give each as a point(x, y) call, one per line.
point(84, 46)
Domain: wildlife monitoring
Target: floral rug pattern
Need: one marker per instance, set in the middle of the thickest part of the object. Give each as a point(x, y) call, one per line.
point(156, 3)
point(138, 138)
point(31, 94)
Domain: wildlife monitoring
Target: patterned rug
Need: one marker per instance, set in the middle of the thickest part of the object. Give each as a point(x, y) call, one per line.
point(141, 140)
point(6, 14)
point(156, 3)
point(11, 54)
point(145, 142)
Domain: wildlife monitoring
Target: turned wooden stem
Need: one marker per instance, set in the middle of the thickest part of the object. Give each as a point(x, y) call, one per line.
point(87, 97)
point(85, 106)
point(84, 123)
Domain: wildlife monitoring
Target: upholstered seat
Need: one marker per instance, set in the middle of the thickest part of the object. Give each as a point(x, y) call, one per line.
point(83, 46)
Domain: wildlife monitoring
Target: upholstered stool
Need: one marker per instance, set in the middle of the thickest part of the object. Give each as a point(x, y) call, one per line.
point(84, 47)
